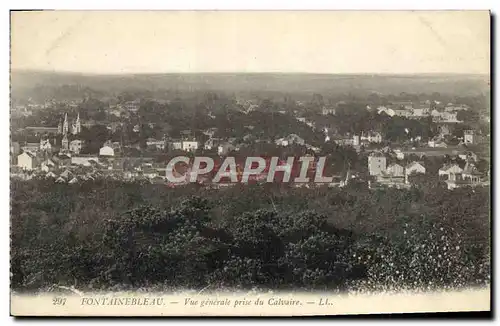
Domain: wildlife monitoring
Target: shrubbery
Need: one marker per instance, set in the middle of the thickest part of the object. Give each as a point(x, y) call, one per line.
point(109, 237)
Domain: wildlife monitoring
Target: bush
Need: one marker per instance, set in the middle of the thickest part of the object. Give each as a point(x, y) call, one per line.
point(97, 238)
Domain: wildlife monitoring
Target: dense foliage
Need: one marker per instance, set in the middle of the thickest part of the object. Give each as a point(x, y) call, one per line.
point(110, 235)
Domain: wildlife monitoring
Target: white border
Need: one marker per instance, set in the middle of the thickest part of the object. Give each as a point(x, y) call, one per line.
point(173, 5)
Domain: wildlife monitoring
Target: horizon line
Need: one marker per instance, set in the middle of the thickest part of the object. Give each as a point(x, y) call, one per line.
point(12, 70)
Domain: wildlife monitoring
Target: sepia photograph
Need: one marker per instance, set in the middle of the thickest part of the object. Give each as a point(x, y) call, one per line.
point(249, 163)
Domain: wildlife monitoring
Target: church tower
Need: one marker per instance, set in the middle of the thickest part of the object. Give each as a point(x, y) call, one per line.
point(65, 124)
point(76, 126)
point(65, 142)
point(60, 127)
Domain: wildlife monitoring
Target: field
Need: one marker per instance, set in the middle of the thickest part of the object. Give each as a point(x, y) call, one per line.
point(108, 235)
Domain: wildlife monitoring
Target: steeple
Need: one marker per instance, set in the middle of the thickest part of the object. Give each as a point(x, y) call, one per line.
point(65, 142)
point(77, 124)
point(65, 124)
point(59, 127)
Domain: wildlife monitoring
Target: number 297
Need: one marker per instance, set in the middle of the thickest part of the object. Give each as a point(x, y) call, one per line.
point(58, 301)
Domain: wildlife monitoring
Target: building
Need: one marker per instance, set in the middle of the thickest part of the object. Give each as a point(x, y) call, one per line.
point(437, 142)
point(84, 160)
point(420, 112)
point(45, 145)
point(399, 154)
point(450, 172)
point(47, 165)
point(402, 113)
point(175, 144)
point(155, 144)
point(395, 170)
point(469, 137)
point(356, 140)
point(382, 109)
point(33, 148)
point(225, 148)
point(27, 161)
point(372, 137)
point(76, 126)
point(328, 111)
point(189, 145)
point(107, 151)
point(38, 131)
point(413, 168)
point(65, 126)
point(211, 143)
point(75, 146)
point(468, 156)
point(377, 163)
point(65, 143)
point(15, 149)
point(289, 140)
point(471, 174)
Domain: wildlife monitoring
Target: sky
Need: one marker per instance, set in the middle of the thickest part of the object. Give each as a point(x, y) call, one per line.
point(113, 42)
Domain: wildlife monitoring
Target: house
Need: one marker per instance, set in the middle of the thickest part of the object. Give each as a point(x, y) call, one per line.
point(15, 149)
point(155, 144)
point(399, 154)
point(50, 175)
point(175, 144)
point(47, 165)
point(31, 147)
point(471, 173)
point(72, 181)
point(186, 134)
point(413, 168)
point(225, 148)
point(67, 175)
point(382, 109)
point(420, 112)
point(45, 145)
point(356, 140)
point(210, 131)
point(444, 129)
point(389, 181)
point(345, 140)
point(150, 173)
point(106, 151)
point(60, 180)
point(27, 161)
point(404, 113)
point(450, 172)
point(211, 143)
point(372, 137)
point(42, 130)
point(75, 146)
point(437, 142)
point(377, 163)
point(289, 140)
point(468, 156)
point(84, 160)
point(469, 137)
point(189, 145)
point(395, 170)
point(449, 117)
point(328, 111)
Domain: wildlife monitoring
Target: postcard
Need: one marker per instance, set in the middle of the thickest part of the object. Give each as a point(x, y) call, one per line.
point(249, 163)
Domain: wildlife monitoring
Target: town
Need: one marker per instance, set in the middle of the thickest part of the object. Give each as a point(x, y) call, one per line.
point(383, 143)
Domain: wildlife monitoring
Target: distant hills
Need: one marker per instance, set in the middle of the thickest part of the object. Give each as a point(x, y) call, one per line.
point(24, 82)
